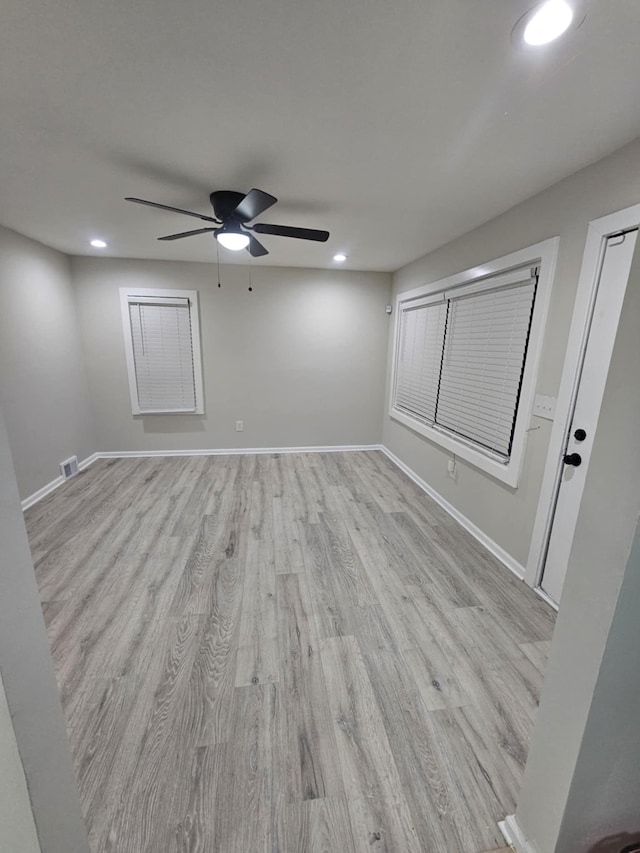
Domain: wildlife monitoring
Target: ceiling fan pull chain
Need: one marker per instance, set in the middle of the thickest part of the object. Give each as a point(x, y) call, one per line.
point(218, 257)
point(250, 263)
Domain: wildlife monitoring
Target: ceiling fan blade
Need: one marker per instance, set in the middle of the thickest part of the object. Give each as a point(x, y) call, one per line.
point(255, 248)
point(288, 231)
point(173, 209)
point(188, 234)
point(253, 204)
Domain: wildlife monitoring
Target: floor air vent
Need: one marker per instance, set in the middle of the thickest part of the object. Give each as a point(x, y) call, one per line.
point(69, 467)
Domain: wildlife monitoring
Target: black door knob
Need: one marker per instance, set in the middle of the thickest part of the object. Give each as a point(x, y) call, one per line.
point(579, 435)
point(572, 459)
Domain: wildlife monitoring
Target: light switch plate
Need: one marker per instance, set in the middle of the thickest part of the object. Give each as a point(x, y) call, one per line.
point(544, 407)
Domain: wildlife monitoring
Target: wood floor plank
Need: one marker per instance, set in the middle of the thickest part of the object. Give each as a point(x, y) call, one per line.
point(287, 537)
point(109, 486)
point(261, 512)
point(395, 598)
point(349, 576)
point(378, 486)
point(313, 489)
point(214, 544)
point(403, 716)
point(64, 565)
point(412, 500)
point(343, 507)
point(257, 657)
point(482, 635)
point(208, 699)
point(131, 767)
point(144, 820)
point(307, 737)
point(190, 501)
point(375, 797)
point(244, 803)
point(208, 702)
point(473, 810)
point(315, 826)
point(331, 609)
point(89, 634)
point(440, 685)
point(195, 832)
point(538, 653)
point(398, 664)
point(424, 563)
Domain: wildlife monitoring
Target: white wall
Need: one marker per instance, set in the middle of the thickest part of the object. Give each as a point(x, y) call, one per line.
point(43, 389)
point(300, 360)
point(17, 828)
point(505, 514)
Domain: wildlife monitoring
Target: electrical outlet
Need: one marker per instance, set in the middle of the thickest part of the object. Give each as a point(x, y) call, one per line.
point(451, 468)
point(239, 426)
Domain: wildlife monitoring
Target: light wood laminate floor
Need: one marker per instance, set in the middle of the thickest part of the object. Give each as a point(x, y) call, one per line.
point(284, 653)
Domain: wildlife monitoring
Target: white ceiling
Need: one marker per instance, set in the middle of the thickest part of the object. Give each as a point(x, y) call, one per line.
point(395, 124)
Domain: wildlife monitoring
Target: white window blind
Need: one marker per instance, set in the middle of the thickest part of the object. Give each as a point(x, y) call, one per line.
point(482, 364)
point(460, 362)
point(162, 352)
point(420, 356)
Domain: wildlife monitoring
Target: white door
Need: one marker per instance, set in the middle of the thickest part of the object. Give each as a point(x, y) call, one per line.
point(614, 275)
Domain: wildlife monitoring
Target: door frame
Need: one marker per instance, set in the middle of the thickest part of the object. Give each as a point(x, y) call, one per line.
point(599, 231)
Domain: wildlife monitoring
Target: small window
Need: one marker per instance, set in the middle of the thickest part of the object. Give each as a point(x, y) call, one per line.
point(162, 345)
point(466, 355)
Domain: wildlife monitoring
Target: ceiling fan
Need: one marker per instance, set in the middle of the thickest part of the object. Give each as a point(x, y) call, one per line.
point(233, 211)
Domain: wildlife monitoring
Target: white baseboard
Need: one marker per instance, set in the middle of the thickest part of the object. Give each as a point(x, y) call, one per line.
point(88, 461)
point(506, 559)
point(238, 451)
point(42, 493)
point(514, 836)
point(53, 485)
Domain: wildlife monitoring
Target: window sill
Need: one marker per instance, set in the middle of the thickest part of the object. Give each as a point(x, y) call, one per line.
point(507, 473)
point(143, 412)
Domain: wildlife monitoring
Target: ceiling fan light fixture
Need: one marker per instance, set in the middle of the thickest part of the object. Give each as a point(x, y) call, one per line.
point(234, 240)
point(340, 257)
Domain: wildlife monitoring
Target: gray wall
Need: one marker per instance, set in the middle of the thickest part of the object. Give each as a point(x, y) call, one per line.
point(300, 360)
point(604, 798)
point(582, 780)
point(43, 389)
point(17, 829)
point(505, 514)
point(29, 683)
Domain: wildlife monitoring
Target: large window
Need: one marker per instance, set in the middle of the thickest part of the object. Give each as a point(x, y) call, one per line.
point(465, 358)
point(162, 346)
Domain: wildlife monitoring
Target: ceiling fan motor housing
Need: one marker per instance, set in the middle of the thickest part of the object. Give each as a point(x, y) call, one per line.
point(224, 203)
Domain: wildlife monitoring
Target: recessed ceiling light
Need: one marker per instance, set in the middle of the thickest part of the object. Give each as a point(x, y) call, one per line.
point(340, 257)
point(548, 21)
point(98, 244)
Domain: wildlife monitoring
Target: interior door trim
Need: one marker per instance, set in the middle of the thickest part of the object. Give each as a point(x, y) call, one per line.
point(598, 232)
